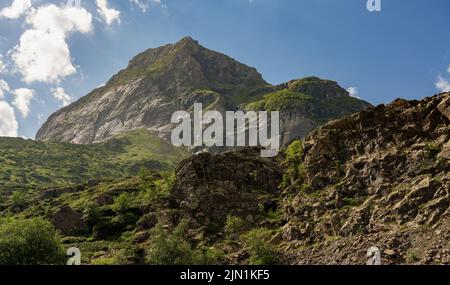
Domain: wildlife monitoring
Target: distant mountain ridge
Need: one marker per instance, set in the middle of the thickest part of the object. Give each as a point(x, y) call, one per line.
point(160, 81)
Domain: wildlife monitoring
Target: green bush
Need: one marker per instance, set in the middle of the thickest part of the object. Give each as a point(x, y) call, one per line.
point(29, 242)
point(173, 249)
point(18, 198)
point(294, 152)
point(157, 188)
point(121, 203)
point(234, 225)
point(257, 243)
point(92, 213)
point(433, 149)
point(116, 258)
point(146, 179)
point(294, 169)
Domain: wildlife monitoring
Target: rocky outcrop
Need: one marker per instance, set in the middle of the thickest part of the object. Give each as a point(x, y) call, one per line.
point(209, 188)
point(378, 176)
point(68, 221)
point(161, 81)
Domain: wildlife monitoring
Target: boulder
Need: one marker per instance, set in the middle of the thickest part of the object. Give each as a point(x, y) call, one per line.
point(68, 221)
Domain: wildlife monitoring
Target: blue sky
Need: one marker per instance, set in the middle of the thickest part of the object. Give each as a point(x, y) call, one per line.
point(402, 51)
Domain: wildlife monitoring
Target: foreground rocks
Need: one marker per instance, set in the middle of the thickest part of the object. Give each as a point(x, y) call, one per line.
point(379, 177)
point(209, 188)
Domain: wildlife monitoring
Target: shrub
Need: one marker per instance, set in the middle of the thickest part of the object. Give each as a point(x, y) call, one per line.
point(293, 162)
point(155, 189)
point(18, 198)
point(257, 243)
point(146, 179)
point(294, 152)
point(172, 248)
point(29, 242)
point(234, 225)
point(92, 213)
point(116, 258)
point(433, 149)
point(121, 203)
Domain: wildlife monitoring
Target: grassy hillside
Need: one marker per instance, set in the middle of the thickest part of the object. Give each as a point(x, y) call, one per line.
point(26, 164)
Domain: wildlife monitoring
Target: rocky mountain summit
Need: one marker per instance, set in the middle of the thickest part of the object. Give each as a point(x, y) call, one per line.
point(161, 81)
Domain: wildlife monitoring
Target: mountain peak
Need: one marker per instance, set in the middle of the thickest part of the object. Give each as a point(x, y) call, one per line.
point(187, 63)
point(163, 80)
point(187, 40)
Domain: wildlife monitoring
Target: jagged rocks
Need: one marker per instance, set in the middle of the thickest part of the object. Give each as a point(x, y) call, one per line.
point(209, 188)
point(375, 172)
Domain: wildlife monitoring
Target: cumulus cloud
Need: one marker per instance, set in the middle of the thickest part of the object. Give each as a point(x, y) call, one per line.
point(22, 100)
point(442, 84)
point(16, 10)
point(353, 91)
point(43, 54)
point(4, 87)
point(109, 15)
point(8, 123)
point(60, 95)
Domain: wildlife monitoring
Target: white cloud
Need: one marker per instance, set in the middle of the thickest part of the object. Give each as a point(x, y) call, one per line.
point(8, 123)
point(144, 5)
point(2, 64)
point(4, 87)
point(448, 69)
point(60, 95)
point(353, 92)
point(442, 84)
point(43, 53)
point(16, 10)
point(109, 15)
point(22, 100)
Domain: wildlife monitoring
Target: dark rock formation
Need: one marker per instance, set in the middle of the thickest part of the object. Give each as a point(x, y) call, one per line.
point(68, 221)
point(209, 188)
point(379, 176)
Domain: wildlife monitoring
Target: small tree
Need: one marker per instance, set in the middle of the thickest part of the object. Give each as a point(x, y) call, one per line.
point(29, 242)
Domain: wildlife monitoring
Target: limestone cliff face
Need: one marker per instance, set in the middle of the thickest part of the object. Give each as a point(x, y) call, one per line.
point(160, 81)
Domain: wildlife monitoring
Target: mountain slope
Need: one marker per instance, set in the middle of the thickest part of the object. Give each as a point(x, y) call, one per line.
point(160, 81)
point(27, 164)
point(306, 104)
point(380, 178)
point(155, 84)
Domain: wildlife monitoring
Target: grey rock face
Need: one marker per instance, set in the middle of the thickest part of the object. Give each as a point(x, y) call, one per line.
point(160, 81)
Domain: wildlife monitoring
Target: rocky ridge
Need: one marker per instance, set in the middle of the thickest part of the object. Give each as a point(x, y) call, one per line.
point(380, 177)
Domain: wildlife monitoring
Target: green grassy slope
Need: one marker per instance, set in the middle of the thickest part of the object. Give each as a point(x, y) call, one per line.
point(27, 164)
